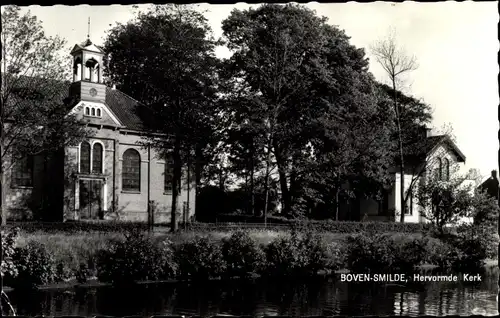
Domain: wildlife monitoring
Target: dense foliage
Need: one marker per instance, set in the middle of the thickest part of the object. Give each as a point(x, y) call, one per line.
point(8, 250)
point(135, 259)
point(343, 227)
point(485, 210)
point(299, 253)
point(165, 59)
point(34, 265)
point(293, 110)
point(242, 255)
point(75, 227)
point(199, 259)
point(296, 84)
point(449, 202)
point(34, 115)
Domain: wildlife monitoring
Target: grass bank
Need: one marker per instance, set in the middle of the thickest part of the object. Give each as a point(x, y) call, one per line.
point(74, 248)
point(65, 256)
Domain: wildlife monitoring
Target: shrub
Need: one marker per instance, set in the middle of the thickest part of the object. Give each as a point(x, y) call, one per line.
point(241, 254)
point(313, 254)
point(281, 257)
point(9, 239)
point(439, 253)
point(489, 238)
point(168, 263)
point(80, 226)
point(82, 273)
point(35, 266)
point(341, 227)
point(471, 245)
point(369, 253)
point(408, 252)
point(296, 256)
point(199, 258)
point(62, 272)
point(336, 256)
point(135, 259)
point(348, 227)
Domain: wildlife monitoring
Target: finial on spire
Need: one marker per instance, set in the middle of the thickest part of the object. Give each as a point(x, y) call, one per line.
point(88, 33)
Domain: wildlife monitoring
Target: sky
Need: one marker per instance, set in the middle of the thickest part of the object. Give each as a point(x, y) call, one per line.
point(455, 44)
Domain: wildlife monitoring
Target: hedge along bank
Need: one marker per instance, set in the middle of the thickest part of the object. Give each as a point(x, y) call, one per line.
point(239, 255)
point(344, 227)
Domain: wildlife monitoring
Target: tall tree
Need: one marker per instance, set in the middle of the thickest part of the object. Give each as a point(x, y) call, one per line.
point(297, 67)
point(396, 63)
point(351, 146)
point(165, 58)
point(414, 115)
point(34, 115)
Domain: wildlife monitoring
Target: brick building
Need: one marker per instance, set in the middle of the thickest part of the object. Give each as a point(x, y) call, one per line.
point(110, 175)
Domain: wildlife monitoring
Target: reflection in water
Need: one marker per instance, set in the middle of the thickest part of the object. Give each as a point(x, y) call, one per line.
point(316, 297)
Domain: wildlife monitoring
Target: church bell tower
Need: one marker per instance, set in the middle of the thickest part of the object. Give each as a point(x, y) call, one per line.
point(87, 72)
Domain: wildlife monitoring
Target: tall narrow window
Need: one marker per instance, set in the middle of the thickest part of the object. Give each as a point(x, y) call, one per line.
point(446, 169)
point(409, 204)
point(85, 157)
point(440, 169)
point(97, 158)
point(169, 174)
point(22, 172)
point(131, 170)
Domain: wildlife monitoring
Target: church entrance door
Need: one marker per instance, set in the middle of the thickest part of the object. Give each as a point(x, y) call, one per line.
point(91, 194)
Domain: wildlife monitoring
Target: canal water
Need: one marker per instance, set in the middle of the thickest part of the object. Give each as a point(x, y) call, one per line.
point(319, 296)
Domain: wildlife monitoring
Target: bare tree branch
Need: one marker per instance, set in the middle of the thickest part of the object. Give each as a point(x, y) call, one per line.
point(395, 63)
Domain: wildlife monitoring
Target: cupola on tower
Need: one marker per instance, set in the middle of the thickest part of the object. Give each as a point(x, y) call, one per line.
point(87, 73)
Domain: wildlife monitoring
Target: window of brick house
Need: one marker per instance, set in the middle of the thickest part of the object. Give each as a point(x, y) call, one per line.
point(440, 169)
point(169, 174)
point(22, 172)
point(446, 176)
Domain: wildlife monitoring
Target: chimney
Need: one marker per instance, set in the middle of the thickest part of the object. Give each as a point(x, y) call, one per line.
point(114, 86)
point(494, 174)
point(426, 131)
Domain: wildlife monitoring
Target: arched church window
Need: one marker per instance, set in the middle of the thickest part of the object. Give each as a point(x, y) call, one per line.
point(131, 170)
point(85, 157)
point(97, 158)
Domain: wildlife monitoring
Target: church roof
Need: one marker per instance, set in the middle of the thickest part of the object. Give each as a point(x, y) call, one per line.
point(127, 109)
point(87, 46)
point(130, 112)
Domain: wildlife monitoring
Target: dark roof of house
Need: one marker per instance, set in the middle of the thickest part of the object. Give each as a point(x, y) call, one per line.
point(425, 146)
point(490, 185)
